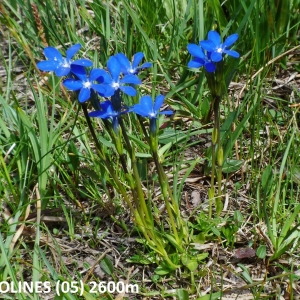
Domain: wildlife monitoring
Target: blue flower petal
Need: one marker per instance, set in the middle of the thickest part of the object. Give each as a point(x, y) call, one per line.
point(72, 84)
point(231, 39)
point(52, 54)
point(83, 62)
point(125, 63)
point(133, 79)
point(210, 67)
point(140, 110)
point(62, 71)
point(232, 53)
point(100, 88)
point(114, 68)
point(109, 91)
point(102, 76)
point(137, 59)
point(84, 95)
point(195, 50)
point(79, 72)
point(214, 37)
point(146, 102)
point(208, 45)
point(73, 50)
point(145, 65)
point(98, 114)
point(96, 73)
point(216, 56)
point(106, 105)
point(159, 100)
point(166, 112)
point(47, 65)
point(195, 64)
point(129, 90)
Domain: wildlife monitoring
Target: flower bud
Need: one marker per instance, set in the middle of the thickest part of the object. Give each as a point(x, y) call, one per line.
point(214, 136)
point(211, 193)
point(220, 157)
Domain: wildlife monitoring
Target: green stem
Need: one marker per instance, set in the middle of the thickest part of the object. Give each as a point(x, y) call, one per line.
point(138, 184)
point(219, 87)
point(164, 187)
point(104, 159)
point(217, 153)
point(118, 145)
point(211, 193)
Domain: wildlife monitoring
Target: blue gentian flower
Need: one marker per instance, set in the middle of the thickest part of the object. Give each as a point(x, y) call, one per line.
point(147, 109)
point(132, 68)
point(216, 48)
point(84, 83)
point(60, 65)
point(200, 58)
point(108, 112)
point(113, 82)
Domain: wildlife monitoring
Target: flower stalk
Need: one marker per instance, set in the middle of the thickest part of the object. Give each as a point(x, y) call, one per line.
point(209, 54)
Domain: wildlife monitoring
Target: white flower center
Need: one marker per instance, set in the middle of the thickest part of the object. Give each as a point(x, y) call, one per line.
point(115, 85)
point(131, 71)
point(87, 84)
point(152, 114)
point(65, 63)
point(220, 49)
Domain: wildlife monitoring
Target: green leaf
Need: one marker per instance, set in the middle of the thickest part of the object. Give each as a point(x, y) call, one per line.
point(182, 294)
point(261, 251)
point(173, 241)
point(267, 179)
point(142, 168)
point(170, 135)
point(214, 296)
point(91, 173)
point(245, 274)
point(289, 225)
point(216, 231)
point(205, 107)
point(105, 142)
point(162, 270)
point(231, 165)
point(199, 238)
point(238, 217)
point(142, 259)
point(219, 13)
point(161, 151)
point(73, 156)
point(229, 137)
point(290, 220)
point(295, 172)
point(202, 256)
point(143, 155)
point(190, 263)
point(291, 237)
point(107, 266)
point(88, 296)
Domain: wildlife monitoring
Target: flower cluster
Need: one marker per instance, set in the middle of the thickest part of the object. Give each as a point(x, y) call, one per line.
point(209, 52)
point(121, 77)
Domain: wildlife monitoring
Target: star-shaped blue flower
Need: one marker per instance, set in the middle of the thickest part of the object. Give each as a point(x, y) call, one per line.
point(59, 64)
point(147, 109)
point(216, 48)
point(200, 58)
point(108, 112)
point(84, 83)
point(132, 68)
point(113, 82)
